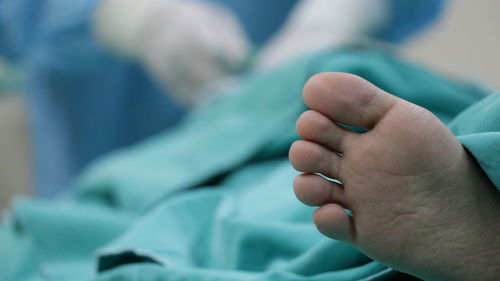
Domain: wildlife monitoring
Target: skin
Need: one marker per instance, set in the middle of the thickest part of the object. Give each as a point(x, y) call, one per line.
point(420, 202)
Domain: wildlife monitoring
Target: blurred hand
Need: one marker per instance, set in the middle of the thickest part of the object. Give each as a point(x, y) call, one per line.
point(315, 25)
point(185, 44)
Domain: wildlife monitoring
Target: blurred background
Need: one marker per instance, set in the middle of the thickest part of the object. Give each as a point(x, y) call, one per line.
point(463, 43)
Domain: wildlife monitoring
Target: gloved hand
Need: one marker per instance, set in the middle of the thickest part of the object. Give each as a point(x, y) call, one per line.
point(185, 44)
point(315, 25)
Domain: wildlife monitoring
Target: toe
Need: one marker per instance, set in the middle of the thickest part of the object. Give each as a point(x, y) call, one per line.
point(333, 221)
point(314, 126)
point(347, 99)
point(315, 190)
point(310, 157)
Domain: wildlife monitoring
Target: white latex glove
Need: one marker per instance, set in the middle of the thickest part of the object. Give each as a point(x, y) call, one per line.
point(185, 44)
point(315, 25)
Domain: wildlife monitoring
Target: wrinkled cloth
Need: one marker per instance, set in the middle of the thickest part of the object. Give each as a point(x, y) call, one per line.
point(212, 199)
point(478, 129)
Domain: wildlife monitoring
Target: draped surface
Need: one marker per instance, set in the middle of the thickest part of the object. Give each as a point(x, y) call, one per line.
point(212, 199)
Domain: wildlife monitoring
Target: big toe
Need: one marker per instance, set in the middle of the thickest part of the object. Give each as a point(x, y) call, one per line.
point(347, 99)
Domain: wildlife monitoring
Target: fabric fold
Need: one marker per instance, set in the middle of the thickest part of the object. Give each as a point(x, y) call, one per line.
point(478, 129)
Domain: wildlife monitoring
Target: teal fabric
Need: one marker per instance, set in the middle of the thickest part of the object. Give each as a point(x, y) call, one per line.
point(257, 121)
point(212, 199)
point(478, 129)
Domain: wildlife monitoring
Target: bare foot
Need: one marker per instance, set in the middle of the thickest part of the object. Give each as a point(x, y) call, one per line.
point(419, 201)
